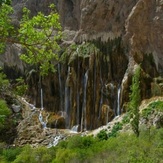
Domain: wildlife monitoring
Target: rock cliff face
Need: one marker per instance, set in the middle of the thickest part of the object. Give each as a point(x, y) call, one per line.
point(103, 41)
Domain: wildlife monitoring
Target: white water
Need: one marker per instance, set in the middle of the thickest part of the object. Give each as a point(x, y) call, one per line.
point(84, 119)
point(67, 99)
point(60, 87)
point(74, 129)
point(42, 107)
point(118, 101)
point(78, 93)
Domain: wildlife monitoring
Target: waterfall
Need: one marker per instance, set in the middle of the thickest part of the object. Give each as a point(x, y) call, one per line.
point(77, 91)
point(102, 91)
point(42, 100)
point(67, 99)
point(83, 119)
point(60, 87)
point(118, 101)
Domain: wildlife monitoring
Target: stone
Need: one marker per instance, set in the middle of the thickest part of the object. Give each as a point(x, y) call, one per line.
point(16, 108)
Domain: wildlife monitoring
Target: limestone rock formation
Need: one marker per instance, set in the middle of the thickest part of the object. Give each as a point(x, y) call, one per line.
point(103, 41)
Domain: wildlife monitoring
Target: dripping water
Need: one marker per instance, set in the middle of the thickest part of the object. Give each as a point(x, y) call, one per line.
point(74, 129)
point(78, 95)
point(102, 91)
point(67, 99)
point(83, 119)
point(42, 100)
point(60, 87)
point(118, 101)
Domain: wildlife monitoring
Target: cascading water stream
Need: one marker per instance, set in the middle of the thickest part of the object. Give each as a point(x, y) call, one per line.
point(67, 99)
point(42, 107)
point(84, 119)
point(43, 123)
point(60, 87)
point(77, 91)
point(118, 101)
point(102, 91)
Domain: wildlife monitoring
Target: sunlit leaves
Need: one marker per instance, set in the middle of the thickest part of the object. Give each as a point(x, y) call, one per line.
point(39, 35)
point(5, 24)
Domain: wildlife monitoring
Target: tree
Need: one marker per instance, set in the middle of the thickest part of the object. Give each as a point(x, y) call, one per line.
point(134, 103)
point(38, 36)
point(4, 113)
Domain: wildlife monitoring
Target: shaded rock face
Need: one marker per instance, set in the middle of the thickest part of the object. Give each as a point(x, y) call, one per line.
point(144, 30)
point(124, 33)
point(86, 86)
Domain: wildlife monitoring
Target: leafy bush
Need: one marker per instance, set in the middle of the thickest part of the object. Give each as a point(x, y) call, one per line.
point(31, 155)
point(126, 118)
point(4, 112)
point(102, 135)
point(80, 142)
point(21, 87)
point(4, 82)
point(11, 153)
point(115, 129)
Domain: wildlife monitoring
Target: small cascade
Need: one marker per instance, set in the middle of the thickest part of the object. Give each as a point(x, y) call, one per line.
point(84, 118)
point(74, 129)
point(118, 101)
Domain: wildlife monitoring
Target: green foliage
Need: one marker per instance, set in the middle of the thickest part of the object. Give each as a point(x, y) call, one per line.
point(39, 35)
point(154, 106)
point(148, 147)
point(4, 113)
point(102, 135)
point(41, 155)
point(21, 87)
point(84, 50)
point(4, 83)
point(10, 154)
point(117, 127)
point(80, 142)
point(5, 24)
point(126, 118)
point(134, 103)
point(8, 2)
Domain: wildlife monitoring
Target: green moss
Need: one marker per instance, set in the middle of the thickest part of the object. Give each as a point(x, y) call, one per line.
point(83, 50)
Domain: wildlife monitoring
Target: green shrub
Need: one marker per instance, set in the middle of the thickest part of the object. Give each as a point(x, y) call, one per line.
point(21, 87)
point(102, 135)
point(118, 126)
point(126, 118)
point(11, 153)
point(80, 142)
point(4, 113)
point(4, 82)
